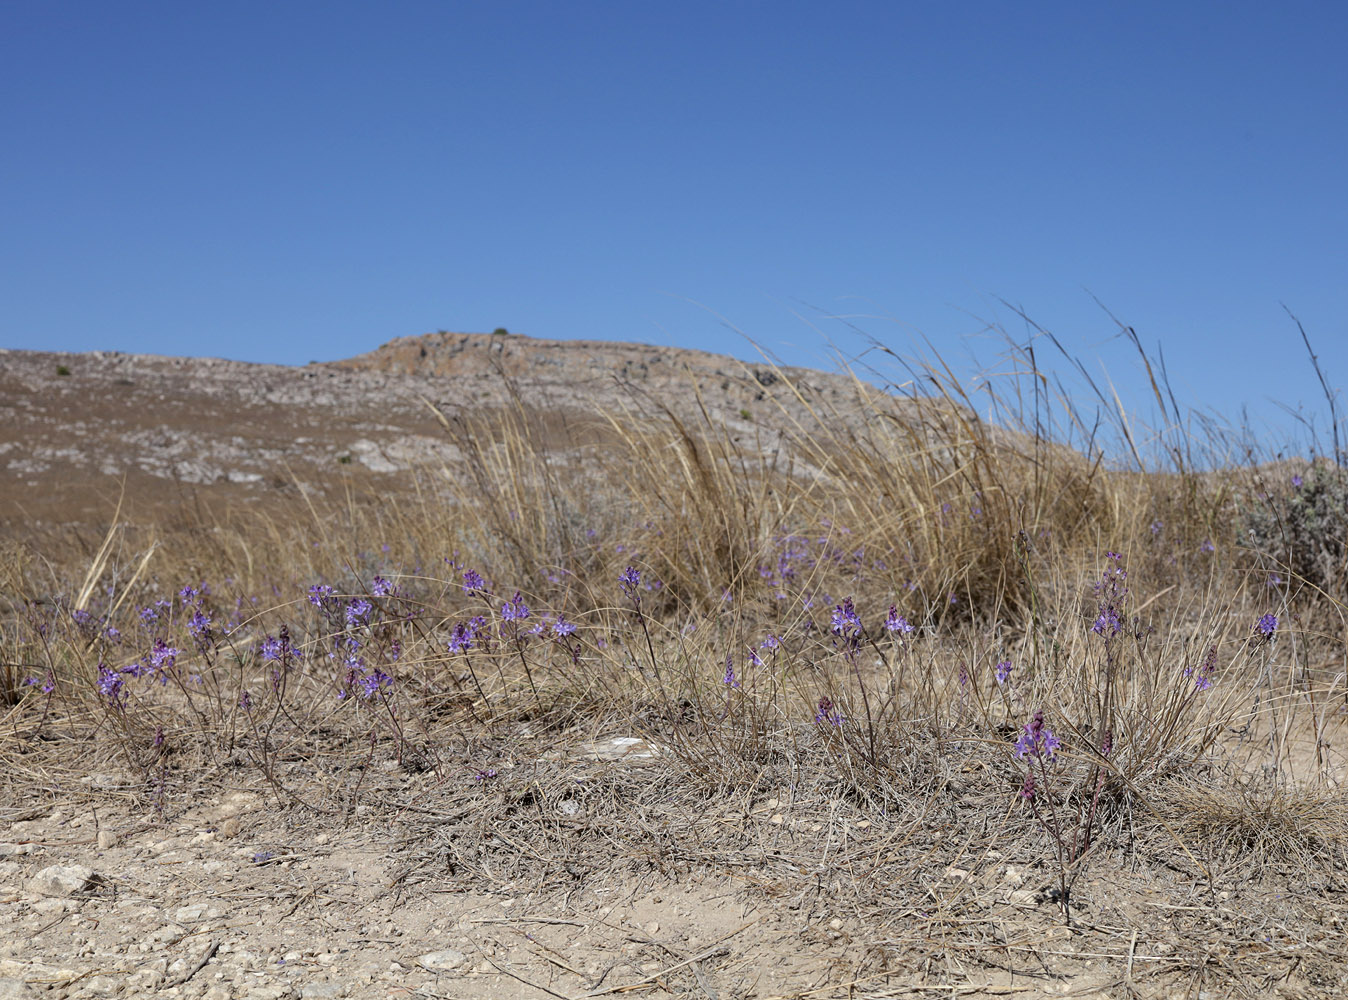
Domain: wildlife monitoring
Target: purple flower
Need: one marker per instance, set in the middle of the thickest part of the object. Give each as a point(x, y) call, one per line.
point(1156, 526)
point(357, 612)
point(514, 609)
point(845, 622)
point(461, 640)
point(827, 712)
point(1108, 623)
point(629, 579)
point(372, 682)
point(1205, 671)
point(771, 642)
point(318, 593)
point(1207, 547)
point(472, 581)
point(380, 587)
point(200, 627)
point(1003, 671)
point(1037, 740)
point(1297, 481)
point(729, 679)
point(896, 622)
point(1267, 625)
point(274, 648)
point(1027, 787)
point(111, 685)
point(162, 658)
point(246, 702)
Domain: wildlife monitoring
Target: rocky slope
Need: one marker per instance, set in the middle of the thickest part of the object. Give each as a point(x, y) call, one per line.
point(78, 429)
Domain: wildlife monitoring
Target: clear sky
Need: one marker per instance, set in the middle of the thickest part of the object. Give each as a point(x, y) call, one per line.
point(294, 181)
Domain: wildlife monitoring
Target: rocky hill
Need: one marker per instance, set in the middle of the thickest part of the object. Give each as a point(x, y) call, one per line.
point(76, 430)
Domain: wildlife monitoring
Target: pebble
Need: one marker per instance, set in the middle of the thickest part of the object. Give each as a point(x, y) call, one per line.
point(65, 880)
point(322, 991)
point(441, 961)
point(190, 914)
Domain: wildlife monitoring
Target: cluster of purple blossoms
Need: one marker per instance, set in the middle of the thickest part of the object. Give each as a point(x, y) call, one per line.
point(1003, 671)
point(112, 685)
point(730, 680)
point(357, 613)
point(1267, 626)
point(465, 634)
point(1110, 591)
point(559, 627)
point(771, 642)
point(161, 659)
point(380, 587)
point(629, 580)
point(319, 594)
point(515, 609)
point(373, 682)
point(896, 622)
point(845, 622)
point(473, 582)
point(1203, 679)
point(152, 614)
point(278, 648)
point(200, 627)
point(1037, 740)
point(1027, 787)
point(48, 686)
point(826, 713)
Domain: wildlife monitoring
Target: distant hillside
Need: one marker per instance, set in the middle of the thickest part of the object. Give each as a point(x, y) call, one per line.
point(76, 427)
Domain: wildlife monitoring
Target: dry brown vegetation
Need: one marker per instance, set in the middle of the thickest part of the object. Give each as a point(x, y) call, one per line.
point(854, 784)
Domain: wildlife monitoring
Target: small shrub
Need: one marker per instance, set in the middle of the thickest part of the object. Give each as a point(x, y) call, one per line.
point(344, 459)
point(500, 331)
point(1303, 528)
point(746, 415)
point(62, 370)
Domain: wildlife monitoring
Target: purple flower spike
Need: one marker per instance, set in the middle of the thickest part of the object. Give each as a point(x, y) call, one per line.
point(730, 680)
point(1003, 671)
point(828, 713)
point(1267, 626)
point(1037, 740)
point(1027, 788)
point(515, 609)
point(845, 621)
point(896, 622)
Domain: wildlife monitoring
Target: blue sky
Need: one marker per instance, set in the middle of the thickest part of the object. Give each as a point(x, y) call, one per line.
point(295, 181)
